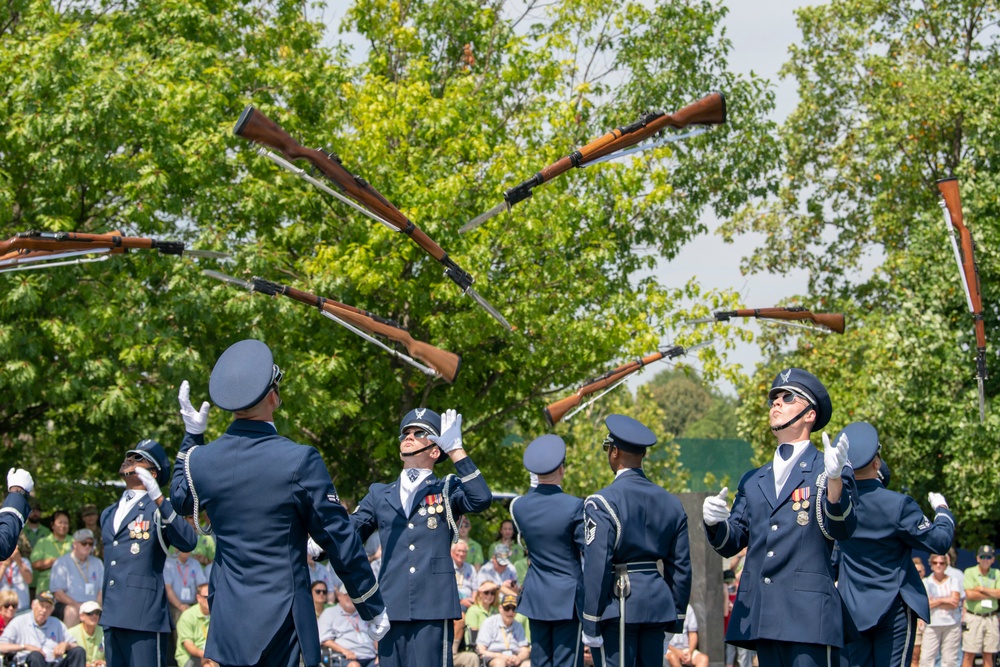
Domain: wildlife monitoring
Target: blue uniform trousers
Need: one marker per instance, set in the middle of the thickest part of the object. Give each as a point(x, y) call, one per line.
point(772, 653)
point(131, 648)
point(282, 651)
point(643, 645)
point(556, 643)
point(417, 644)
point(889, 642)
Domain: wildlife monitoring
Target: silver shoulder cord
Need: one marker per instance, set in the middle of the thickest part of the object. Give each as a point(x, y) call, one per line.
point(446, 492)
point(820, 488)
point(517, 528)
point(158, 522)
point(207, 530)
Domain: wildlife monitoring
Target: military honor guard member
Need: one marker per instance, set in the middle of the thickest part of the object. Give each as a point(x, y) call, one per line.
point(137, 531)
point(265, 496)
point(415, 516)
point(550, 523)
point(636, 561)
point(15, 510)
point(789, 512)
point(878, 580)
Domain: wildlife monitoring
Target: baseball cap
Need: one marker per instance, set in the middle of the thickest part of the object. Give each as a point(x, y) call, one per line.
point(502, 553)
point(90, 606)
point(985, 551)
point(46, 596)
point(508, 599)
point(83, 534)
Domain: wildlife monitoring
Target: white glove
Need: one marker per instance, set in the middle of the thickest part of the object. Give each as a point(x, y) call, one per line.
point(316, 552)
point(936, 500)
point(451, 432)
point(152, 488)
point(194, 422)
point(835, 458)
point(20, 477)
point(715, 508)
point(592, 642)
point(378, 626)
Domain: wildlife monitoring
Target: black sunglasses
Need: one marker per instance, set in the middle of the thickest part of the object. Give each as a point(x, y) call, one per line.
point(10, 605)
point(91, 613)
point(509, 607)
point(321, 591)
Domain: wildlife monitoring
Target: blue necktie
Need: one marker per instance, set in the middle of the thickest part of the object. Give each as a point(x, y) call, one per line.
point(785, 451)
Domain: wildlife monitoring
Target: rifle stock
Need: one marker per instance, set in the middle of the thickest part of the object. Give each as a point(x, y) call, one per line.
point(832, 321)
point(447, 364)
point(952, 199)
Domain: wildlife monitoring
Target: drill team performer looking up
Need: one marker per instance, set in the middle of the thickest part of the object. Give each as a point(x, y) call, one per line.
point(415, 518)
point(265, 496)
point(789, 512)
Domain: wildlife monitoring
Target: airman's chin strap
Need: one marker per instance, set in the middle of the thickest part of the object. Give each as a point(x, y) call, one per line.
point(794, 419)
point(418, 451)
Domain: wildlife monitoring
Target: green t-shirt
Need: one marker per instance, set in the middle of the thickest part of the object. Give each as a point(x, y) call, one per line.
point(192, 625)
point(516, 552)
point(974, 578)
point(205, 547)
point(48, 547)
point(92, 644)
point(35, 534)
point(475, 555)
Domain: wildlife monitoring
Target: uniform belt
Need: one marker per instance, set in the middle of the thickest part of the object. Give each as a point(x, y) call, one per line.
point(991, 613)
point(641, 566)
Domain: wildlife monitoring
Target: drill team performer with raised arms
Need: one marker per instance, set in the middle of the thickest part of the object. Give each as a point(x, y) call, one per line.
point(636, 559)
point(415, 516)
point(265, 496)
point(789, 512)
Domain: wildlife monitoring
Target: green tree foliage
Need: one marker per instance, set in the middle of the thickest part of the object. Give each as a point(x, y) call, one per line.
point(120, 116)
point(692, 408)
point(893, 96)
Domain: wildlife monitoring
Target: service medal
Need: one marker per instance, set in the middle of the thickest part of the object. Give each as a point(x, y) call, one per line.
point(422, 511)
point(439, 508)
point(145, 536)
point(432, 522)
point(805, 504)
point(796, 507)
point(802, 518)
point(134, 548)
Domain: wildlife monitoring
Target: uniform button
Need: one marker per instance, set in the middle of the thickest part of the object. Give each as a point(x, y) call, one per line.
point(115, 543)
point(412, 570)
point(113, 563)
point(409, 525)
point(774, 527)
point(767, 580)
point(111, 583)
point(770, 554)
point(412, 547)
point(802, 464)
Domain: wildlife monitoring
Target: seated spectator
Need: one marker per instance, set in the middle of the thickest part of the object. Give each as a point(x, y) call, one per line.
point(484, 604)
point(192, 632)
point(16, 576)
point(77, 577)
point(465, 576)
point(41, 640)
point(499, 570)
point(88, 634)
point(8, 607)
point(181, 577)
point(320, 594)
point(323, 572)
point(342, 630)
point(682, 649)
point(89, 516)
point(475, 557)
point(501, 638)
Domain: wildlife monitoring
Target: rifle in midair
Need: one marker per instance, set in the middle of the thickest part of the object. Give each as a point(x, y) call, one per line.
point(826, 322)
point(357, 193)
point(965, 256)
point(709, 110)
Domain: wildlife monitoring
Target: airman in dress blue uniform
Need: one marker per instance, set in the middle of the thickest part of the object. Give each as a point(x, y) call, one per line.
point(15, 510)
point(550, 523)
point(265, 497)
point(789, 512)
point(137, 531)
point(415, 518)
point(878, 580)
point(636, 561)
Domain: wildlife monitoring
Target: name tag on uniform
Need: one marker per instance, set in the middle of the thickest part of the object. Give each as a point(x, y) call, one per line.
point(88, 588)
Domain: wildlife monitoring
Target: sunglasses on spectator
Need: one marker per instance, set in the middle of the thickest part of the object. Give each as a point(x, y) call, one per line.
point(92, 613)
point(488, 593)
point(10, 605)
point(320, 591)
point(939, 562)
point(786, 397)
point(419, 433)
point(86, 544)
point(509, 607)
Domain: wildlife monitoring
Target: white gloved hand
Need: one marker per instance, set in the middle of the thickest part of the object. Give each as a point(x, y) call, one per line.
point(149, 482)
point(316, 552)
point(835, 457)
point(451, 432)
point(378, 626)
point(715, 509)
point(936, 500)
point(20, 477)
point(195, 422)
point(592, 642)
